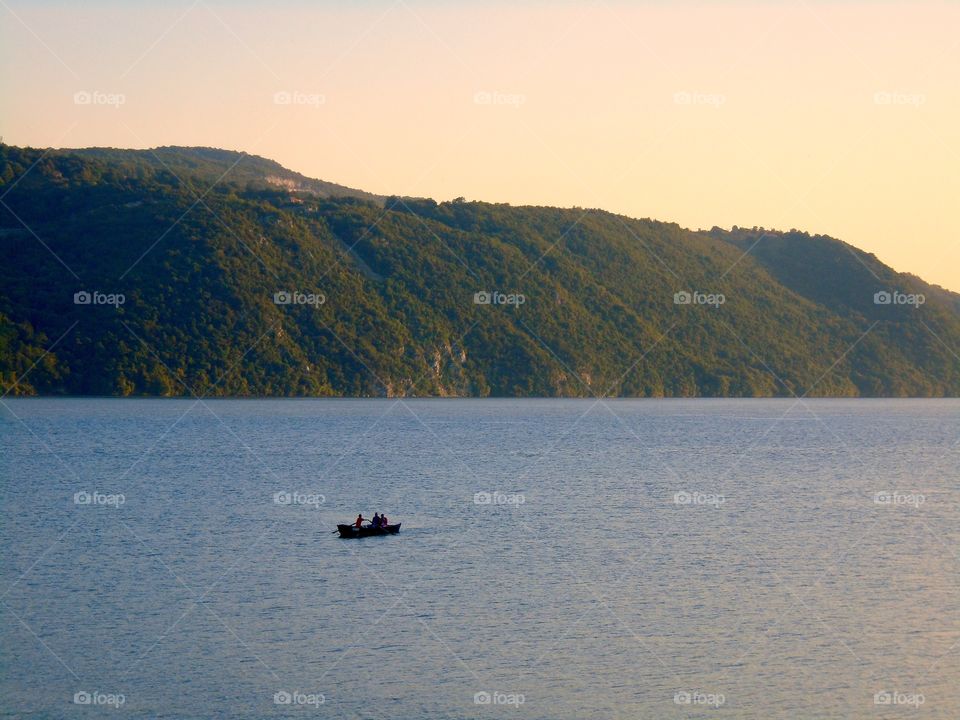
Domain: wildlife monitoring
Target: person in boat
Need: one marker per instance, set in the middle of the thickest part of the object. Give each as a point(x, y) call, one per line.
point(383, 520)
point(359, 521)
point(376, 522)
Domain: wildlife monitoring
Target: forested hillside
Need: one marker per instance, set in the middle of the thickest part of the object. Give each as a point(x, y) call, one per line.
point(188, 256)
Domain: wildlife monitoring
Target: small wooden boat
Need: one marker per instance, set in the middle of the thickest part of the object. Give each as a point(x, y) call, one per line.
point(349, 531)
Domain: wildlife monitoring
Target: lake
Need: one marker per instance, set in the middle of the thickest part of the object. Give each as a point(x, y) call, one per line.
point(558, 559)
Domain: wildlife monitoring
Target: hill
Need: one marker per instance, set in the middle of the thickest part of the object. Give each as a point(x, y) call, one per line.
point(217, 273)
point(208, 165)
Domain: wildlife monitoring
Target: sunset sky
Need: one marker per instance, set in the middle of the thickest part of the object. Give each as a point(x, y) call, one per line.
point(833, 117)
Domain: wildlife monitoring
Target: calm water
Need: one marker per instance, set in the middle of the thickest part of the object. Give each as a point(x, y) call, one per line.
point(637, 559)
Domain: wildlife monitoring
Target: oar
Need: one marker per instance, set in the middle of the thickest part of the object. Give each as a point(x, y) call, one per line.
point(337, 530)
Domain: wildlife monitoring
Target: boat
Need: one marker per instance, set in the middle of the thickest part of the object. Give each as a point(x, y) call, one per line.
point(349, 531)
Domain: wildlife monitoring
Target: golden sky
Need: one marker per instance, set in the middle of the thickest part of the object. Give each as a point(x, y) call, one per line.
point(840, 118)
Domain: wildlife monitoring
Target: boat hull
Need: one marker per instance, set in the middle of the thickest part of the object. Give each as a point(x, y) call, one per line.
point(349, 531)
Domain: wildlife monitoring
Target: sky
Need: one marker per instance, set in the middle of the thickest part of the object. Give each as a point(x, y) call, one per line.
point(841, 118)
